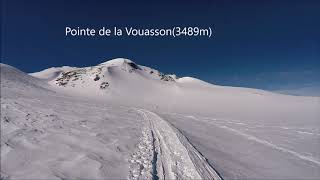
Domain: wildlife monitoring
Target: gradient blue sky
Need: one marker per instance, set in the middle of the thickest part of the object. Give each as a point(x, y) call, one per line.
point(271, 44)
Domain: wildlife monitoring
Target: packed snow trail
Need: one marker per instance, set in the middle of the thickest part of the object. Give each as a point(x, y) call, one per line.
point(164, 153)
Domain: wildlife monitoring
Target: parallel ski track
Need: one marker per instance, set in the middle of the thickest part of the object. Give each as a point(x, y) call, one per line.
point(165, 153)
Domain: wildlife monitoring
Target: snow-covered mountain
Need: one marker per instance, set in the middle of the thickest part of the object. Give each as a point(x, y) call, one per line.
point(119, 119)
point(124, 81)
point(108, 78)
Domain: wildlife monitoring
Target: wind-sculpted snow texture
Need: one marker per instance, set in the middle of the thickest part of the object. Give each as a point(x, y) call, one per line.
point(120, 120)
point(251, 149)
point(52, 136)
point(65, 139)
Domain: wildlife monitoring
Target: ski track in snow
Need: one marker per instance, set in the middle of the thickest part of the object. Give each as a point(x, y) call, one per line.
point(269, 144)
point(164, 153)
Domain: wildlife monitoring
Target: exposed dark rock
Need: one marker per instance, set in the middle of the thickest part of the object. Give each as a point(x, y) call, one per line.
point(104, 85)
point(96, 78)
point(6, 119)
point(164, 77)
point(134, 66)
point(67, 76)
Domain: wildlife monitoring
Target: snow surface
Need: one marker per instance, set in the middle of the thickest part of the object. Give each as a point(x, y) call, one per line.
point(121, 120)
point(305, 91)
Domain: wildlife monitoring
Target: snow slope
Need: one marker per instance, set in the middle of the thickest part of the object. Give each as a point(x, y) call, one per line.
point(47, 135)
point(51, 73)
point(305, 91)
point(122, 120)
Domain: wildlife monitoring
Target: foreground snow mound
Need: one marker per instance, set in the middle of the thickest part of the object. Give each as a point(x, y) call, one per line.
point(52, 136)
point(15, 79)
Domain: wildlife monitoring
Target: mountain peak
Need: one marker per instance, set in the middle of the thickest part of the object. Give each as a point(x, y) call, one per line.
point(117, 62)
point(121, 62)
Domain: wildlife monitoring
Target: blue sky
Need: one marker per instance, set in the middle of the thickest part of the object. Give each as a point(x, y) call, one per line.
point(261, 44)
